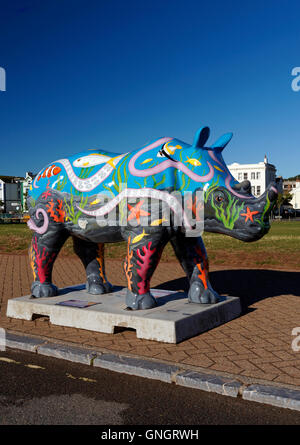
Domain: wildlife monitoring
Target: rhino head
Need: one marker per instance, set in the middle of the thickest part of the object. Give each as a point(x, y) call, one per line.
point(239, 214)
point(229, 206)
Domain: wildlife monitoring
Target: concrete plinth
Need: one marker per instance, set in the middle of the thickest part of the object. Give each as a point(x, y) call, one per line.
point(173, 320)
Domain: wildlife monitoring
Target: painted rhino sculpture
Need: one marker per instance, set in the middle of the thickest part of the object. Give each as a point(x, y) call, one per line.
point(76, 197)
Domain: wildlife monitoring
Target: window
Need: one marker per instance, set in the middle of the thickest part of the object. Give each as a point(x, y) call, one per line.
point(258, 190)
point(252, 175)
point(245, 176)
point(257, 175)
point(240, 176)
point(253, 190)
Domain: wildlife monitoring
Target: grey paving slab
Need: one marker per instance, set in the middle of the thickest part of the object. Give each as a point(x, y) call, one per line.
point(173, 320)
point(136, 366)
point(208, 382)
point(2, 339)
point(23, 342)
point(66, 352)
point(272, 395)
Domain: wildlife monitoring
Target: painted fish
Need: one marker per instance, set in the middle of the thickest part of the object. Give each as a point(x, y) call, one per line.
point(91, 160)
point(158, 222)
point(53, 170)
point(139, 237)
point(194, 162)
point(218, 168)
point(168, 150)
point(147, 160)
point(112, 161)
point(96, 159)
point(96, 201)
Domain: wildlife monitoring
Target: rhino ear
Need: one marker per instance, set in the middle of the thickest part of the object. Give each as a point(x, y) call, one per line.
point(222, 141)
point(201, 137)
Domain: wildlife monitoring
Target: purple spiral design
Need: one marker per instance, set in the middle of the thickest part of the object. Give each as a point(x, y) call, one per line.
point(40, 230)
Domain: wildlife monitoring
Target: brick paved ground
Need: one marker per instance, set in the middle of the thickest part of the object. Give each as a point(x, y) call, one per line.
point(256, 345)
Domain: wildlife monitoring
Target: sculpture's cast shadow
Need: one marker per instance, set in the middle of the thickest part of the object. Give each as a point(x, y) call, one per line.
point(250, 285)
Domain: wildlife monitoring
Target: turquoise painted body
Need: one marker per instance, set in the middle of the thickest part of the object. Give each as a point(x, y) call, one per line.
point(165, 163)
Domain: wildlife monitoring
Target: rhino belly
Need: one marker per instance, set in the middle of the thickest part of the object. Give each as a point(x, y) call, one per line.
point(97, 234)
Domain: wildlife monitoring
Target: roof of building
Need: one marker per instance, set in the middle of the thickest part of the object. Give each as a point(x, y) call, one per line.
point(257, 165)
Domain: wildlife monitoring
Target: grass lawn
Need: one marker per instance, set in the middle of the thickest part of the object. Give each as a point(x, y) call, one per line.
point(280, 247)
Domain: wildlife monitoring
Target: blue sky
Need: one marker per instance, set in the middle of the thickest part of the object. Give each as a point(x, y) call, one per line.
point(116, 74)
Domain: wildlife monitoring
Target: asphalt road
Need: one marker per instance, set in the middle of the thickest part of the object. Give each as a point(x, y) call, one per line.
point(37, 390)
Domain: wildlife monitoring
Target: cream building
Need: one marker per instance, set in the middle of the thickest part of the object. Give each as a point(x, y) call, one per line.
point(295, 201)
point(260, 175)
point(289, 186)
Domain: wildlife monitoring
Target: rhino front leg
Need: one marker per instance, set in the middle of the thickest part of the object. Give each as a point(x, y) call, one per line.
point(193, 258)
point(141, 261)
point(42, 254)
point(92, 257)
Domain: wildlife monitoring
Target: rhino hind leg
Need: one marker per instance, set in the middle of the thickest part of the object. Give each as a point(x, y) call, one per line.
point(192, 256)
point(198, 293)
point(135, 301)
point(92, 257)
point(140, 263)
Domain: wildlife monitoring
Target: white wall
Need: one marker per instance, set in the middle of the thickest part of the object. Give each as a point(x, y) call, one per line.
point(296, 198)
point(255, 173)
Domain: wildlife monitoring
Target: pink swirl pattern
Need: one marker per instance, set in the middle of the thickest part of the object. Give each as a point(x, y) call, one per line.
point(166, 164)
point(44, 227)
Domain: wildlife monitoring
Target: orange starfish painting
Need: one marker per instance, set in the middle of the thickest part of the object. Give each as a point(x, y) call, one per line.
point(137, 212)
point(249, 214)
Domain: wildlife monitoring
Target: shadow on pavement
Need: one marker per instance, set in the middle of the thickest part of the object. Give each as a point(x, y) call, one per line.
point(250, 285)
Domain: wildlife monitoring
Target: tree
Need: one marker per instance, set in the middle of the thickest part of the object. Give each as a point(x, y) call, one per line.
point(283, 199)
point(24, 203)
point(293, 178)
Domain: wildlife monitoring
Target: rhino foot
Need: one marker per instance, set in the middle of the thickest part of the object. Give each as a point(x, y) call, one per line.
point(144, 301)
point(42, 290)
point(95, 287)
point(198, 294)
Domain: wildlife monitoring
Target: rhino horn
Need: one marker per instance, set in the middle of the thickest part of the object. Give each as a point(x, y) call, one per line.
point(222, 141)
point(244, 187)
point(201, 137)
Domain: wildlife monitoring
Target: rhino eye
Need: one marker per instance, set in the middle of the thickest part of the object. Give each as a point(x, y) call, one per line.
point(219, 197)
